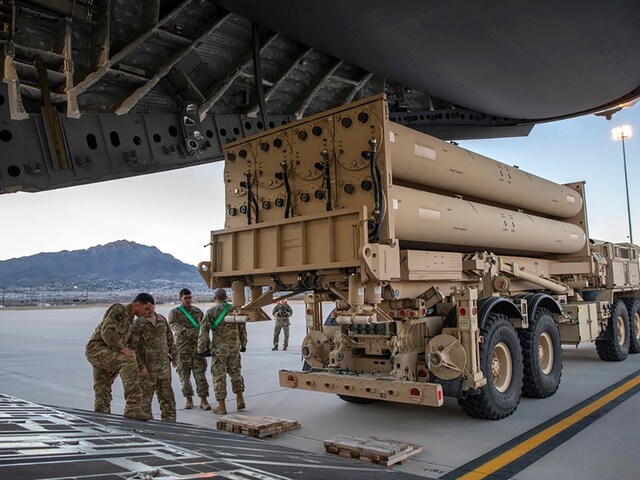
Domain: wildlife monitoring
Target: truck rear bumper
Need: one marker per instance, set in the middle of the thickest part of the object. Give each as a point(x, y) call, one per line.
point(364, 386)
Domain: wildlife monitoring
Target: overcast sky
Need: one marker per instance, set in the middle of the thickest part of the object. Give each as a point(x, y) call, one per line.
point(175, 211)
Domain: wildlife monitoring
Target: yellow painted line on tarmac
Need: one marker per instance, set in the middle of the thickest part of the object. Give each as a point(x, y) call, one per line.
point(526, 446)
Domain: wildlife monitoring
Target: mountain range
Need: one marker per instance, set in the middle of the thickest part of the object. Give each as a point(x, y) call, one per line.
point(116, 261)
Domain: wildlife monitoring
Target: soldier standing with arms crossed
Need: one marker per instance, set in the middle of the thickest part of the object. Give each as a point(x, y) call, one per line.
point(281, 313)
point(229, 339)
point(185, 322)
point(108, 353)
point(156, 352)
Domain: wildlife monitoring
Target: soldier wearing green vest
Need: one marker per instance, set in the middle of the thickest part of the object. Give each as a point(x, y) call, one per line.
point(223, 341)
point(185, 322)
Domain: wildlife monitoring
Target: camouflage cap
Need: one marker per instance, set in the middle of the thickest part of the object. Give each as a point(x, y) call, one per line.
point(220, 294)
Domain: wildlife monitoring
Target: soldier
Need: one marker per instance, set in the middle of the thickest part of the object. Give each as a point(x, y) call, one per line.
point(229, 339)
point(155, 350)
point(281, 313)
point(109, 355)
point(185, 322)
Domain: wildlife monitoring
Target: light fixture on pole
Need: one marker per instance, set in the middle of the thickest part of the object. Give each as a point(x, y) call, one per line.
point(620, 133)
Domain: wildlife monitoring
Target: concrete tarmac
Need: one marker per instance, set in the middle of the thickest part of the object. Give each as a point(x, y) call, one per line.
point(42, 360)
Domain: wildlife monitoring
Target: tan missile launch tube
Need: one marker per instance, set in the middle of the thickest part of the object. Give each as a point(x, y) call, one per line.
point(430, 218)
point(422, 159)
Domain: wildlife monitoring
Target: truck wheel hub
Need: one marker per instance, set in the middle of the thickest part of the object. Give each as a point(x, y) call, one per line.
point(501, 367)
point(621, 333)
point(545, 353)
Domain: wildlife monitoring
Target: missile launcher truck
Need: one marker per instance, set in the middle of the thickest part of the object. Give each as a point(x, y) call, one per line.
point(451, 273)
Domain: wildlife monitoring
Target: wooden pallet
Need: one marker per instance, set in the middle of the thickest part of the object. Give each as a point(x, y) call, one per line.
point(371, 449)
point(256, 427)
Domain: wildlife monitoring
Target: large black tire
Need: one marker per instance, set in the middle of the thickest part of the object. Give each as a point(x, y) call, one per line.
point(613, 344)
point(359, 400)
point(541, 355)
point(633, 309)
point(501, 363)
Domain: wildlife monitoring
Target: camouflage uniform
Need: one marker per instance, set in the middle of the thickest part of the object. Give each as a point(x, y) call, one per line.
point(155, 349)
point(103, 353)
point(228, 339)
point(186, 336)
point(281, 314)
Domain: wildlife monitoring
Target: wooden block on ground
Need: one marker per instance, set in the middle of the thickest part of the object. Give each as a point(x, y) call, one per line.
point(371, 449)
point(256, 427)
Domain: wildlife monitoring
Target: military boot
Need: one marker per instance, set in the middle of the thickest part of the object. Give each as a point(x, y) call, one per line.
point(136, 414)
point(204, 404)
point(275, 347)
point(284, 347)
point(240, 401)
point(220, 409)
point(189, 404)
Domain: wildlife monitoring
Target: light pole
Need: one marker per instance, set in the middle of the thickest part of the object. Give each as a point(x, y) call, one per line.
point(620, 133)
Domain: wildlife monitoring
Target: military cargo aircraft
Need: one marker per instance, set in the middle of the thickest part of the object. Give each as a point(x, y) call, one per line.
point(100, 89)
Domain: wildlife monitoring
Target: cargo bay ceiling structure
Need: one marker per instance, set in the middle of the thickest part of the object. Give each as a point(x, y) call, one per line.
point(100, 89)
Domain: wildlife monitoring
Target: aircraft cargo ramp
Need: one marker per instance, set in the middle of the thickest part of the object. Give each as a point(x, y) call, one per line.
point(39, 442)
